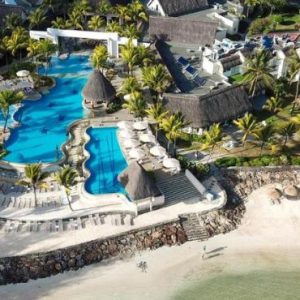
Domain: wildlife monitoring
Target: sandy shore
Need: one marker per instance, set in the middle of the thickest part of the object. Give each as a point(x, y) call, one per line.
point(268, 237)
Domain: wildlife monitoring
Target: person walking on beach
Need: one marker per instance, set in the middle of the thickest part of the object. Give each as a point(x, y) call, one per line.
point(204, 252)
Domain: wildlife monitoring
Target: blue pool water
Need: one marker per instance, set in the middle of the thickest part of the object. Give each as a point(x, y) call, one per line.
point(106, 161)
point(45, 122)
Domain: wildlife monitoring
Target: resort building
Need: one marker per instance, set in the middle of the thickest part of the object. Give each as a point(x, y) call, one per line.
point(215, 107)
point(7, 9)
point(175, 8)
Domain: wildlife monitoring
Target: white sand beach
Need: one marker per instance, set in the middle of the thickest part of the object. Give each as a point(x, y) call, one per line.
point(268, 237)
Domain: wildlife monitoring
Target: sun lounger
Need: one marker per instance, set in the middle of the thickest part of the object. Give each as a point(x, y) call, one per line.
point(79, 223)
point(199, 80)
point(183, 62)
point(191, 71)
point(61, 225)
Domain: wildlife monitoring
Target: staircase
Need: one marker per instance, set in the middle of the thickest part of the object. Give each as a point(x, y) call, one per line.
point(176, 188)
point(192, 227)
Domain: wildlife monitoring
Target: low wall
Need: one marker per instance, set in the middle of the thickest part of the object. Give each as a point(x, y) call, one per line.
point(22, 268)
point(241, 182)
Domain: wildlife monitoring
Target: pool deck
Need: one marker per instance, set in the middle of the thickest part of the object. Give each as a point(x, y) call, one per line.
point(15, 243)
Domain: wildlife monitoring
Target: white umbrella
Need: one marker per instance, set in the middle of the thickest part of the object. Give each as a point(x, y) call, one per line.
point(147, 138)
point(124, 124)
point(127, 97)
point(126, 133)
point(170, 163)
point(131, 143)
point(140, 125)
point(23, 73)
point(158, 151)
point(136, 153)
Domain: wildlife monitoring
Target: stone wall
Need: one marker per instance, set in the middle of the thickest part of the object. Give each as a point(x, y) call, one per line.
point(241, 182)
point(22, 268)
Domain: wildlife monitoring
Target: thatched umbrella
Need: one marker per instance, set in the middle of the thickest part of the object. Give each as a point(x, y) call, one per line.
point(137, 182)
point(98, 89)
point(274, 194)
point(291, 191)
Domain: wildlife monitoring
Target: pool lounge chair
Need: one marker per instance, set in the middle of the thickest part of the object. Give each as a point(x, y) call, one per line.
point(184, 63)
point(191, 71)
point(199, 80)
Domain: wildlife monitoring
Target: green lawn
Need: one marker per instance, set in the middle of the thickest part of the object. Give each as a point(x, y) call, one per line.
point(236, 78)
point(287, 22)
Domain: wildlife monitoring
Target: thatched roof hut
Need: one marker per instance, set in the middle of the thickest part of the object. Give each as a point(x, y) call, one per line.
point(180, 7)
point(138, 183)
point(230, 62)
point(216, 107)
point(291, 191)
point(181, 30)
point(98, 89)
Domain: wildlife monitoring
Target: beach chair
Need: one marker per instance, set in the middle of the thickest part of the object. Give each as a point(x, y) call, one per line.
point(191, 71)
point(199, 80)
point(184, 63)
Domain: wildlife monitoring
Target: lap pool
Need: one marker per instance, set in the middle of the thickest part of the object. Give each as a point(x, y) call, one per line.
point(106, 161)
point(44, 122)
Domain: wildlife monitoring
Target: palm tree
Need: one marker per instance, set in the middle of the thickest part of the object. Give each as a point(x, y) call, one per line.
point(130, 85)
point(114, 26)
point(99, 57)
point(66, 177)
point(17, 41)
point(274, 105)
point(296, 119)
point(49, 5)
point(281, 87)
point(247, 125)
point(257, 70)
point(250, 4)
point(130, 56)
point(172, 126)
point(294, 75)
point(83, 8)
point(34, 178)
point(59, 23)
point(131, 32)
point(273, 4)
point(264, 135)
point(157, 79)
point(75, 20)
point(96, 23)
point(33, 49)
point(211, 137)
point(8, 98)
point(12, 21)
point(146, 55)
point(4, 47)
point(104, 8)
point(138, 13)
point(157, 112)
point(46, 48)
point(136, 104)
point(123, 13)
point(287, 132)
point(36, 18)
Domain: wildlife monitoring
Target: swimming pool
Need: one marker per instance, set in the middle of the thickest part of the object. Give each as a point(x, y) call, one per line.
point(45, 121)
point(106, 161)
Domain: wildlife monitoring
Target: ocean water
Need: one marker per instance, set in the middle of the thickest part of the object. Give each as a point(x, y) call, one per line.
point(259, 285)
point(45, 121)
point(106, 161)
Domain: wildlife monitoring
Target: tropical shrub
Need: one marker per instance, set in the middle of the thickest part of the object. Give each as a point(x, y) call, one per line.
point(260, 26)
